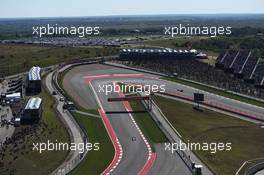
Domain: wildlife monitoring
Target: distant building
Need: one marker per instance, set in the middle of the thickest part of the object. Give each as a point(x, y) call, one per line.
point(33, 85)
point(33, 110)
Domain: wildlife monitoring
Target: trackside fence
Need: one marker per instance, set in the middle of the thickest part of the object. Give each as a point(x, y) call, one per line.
point(186, 159)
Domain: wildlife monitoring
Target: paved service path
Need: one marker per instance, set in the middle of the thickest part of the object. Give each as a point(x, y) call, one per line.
point(71, 126)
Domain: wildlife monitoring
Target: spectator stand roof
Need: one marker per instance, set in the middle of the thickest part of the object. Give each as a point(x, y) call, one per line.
point(34, 74)
point(14, 95)
point(155, 50)
point(33, 103)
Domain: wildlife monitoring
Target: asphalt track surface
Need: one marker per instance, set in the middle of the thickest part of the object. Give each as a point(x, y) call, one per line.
point(135, 154)
point(171, 87)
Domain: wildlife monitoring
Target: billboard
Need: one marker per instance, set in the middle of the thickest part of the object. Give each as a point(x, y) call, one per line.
point(197, 97)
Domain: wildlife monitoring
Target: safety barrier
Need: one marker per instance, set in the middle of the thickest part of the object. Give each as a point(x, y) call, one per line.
point(254, 169)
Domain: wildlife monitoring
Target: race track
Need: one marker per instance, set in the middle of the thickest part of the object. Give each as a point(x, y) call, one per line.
point(82, 83)
point(134, 153)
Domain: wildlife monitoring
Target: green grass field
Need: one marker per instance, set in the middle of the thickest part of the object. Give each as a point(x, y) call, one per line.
point(247, 138)
point(96, 161)
point(20, 58)
point(145, 121)
point(147, 124)
point(19, 159)
point(215, 91)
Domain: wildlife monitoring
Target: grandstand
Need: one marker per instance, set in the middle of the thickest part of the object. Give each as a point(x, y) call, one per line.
point(228, 59)
point(259, 75)
point(151, 53)
point(250, 68)
point(220, 59)
point(243, 64)
point(194, 69)
point(33, 85)
point(239, 62)
point(33, 110)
